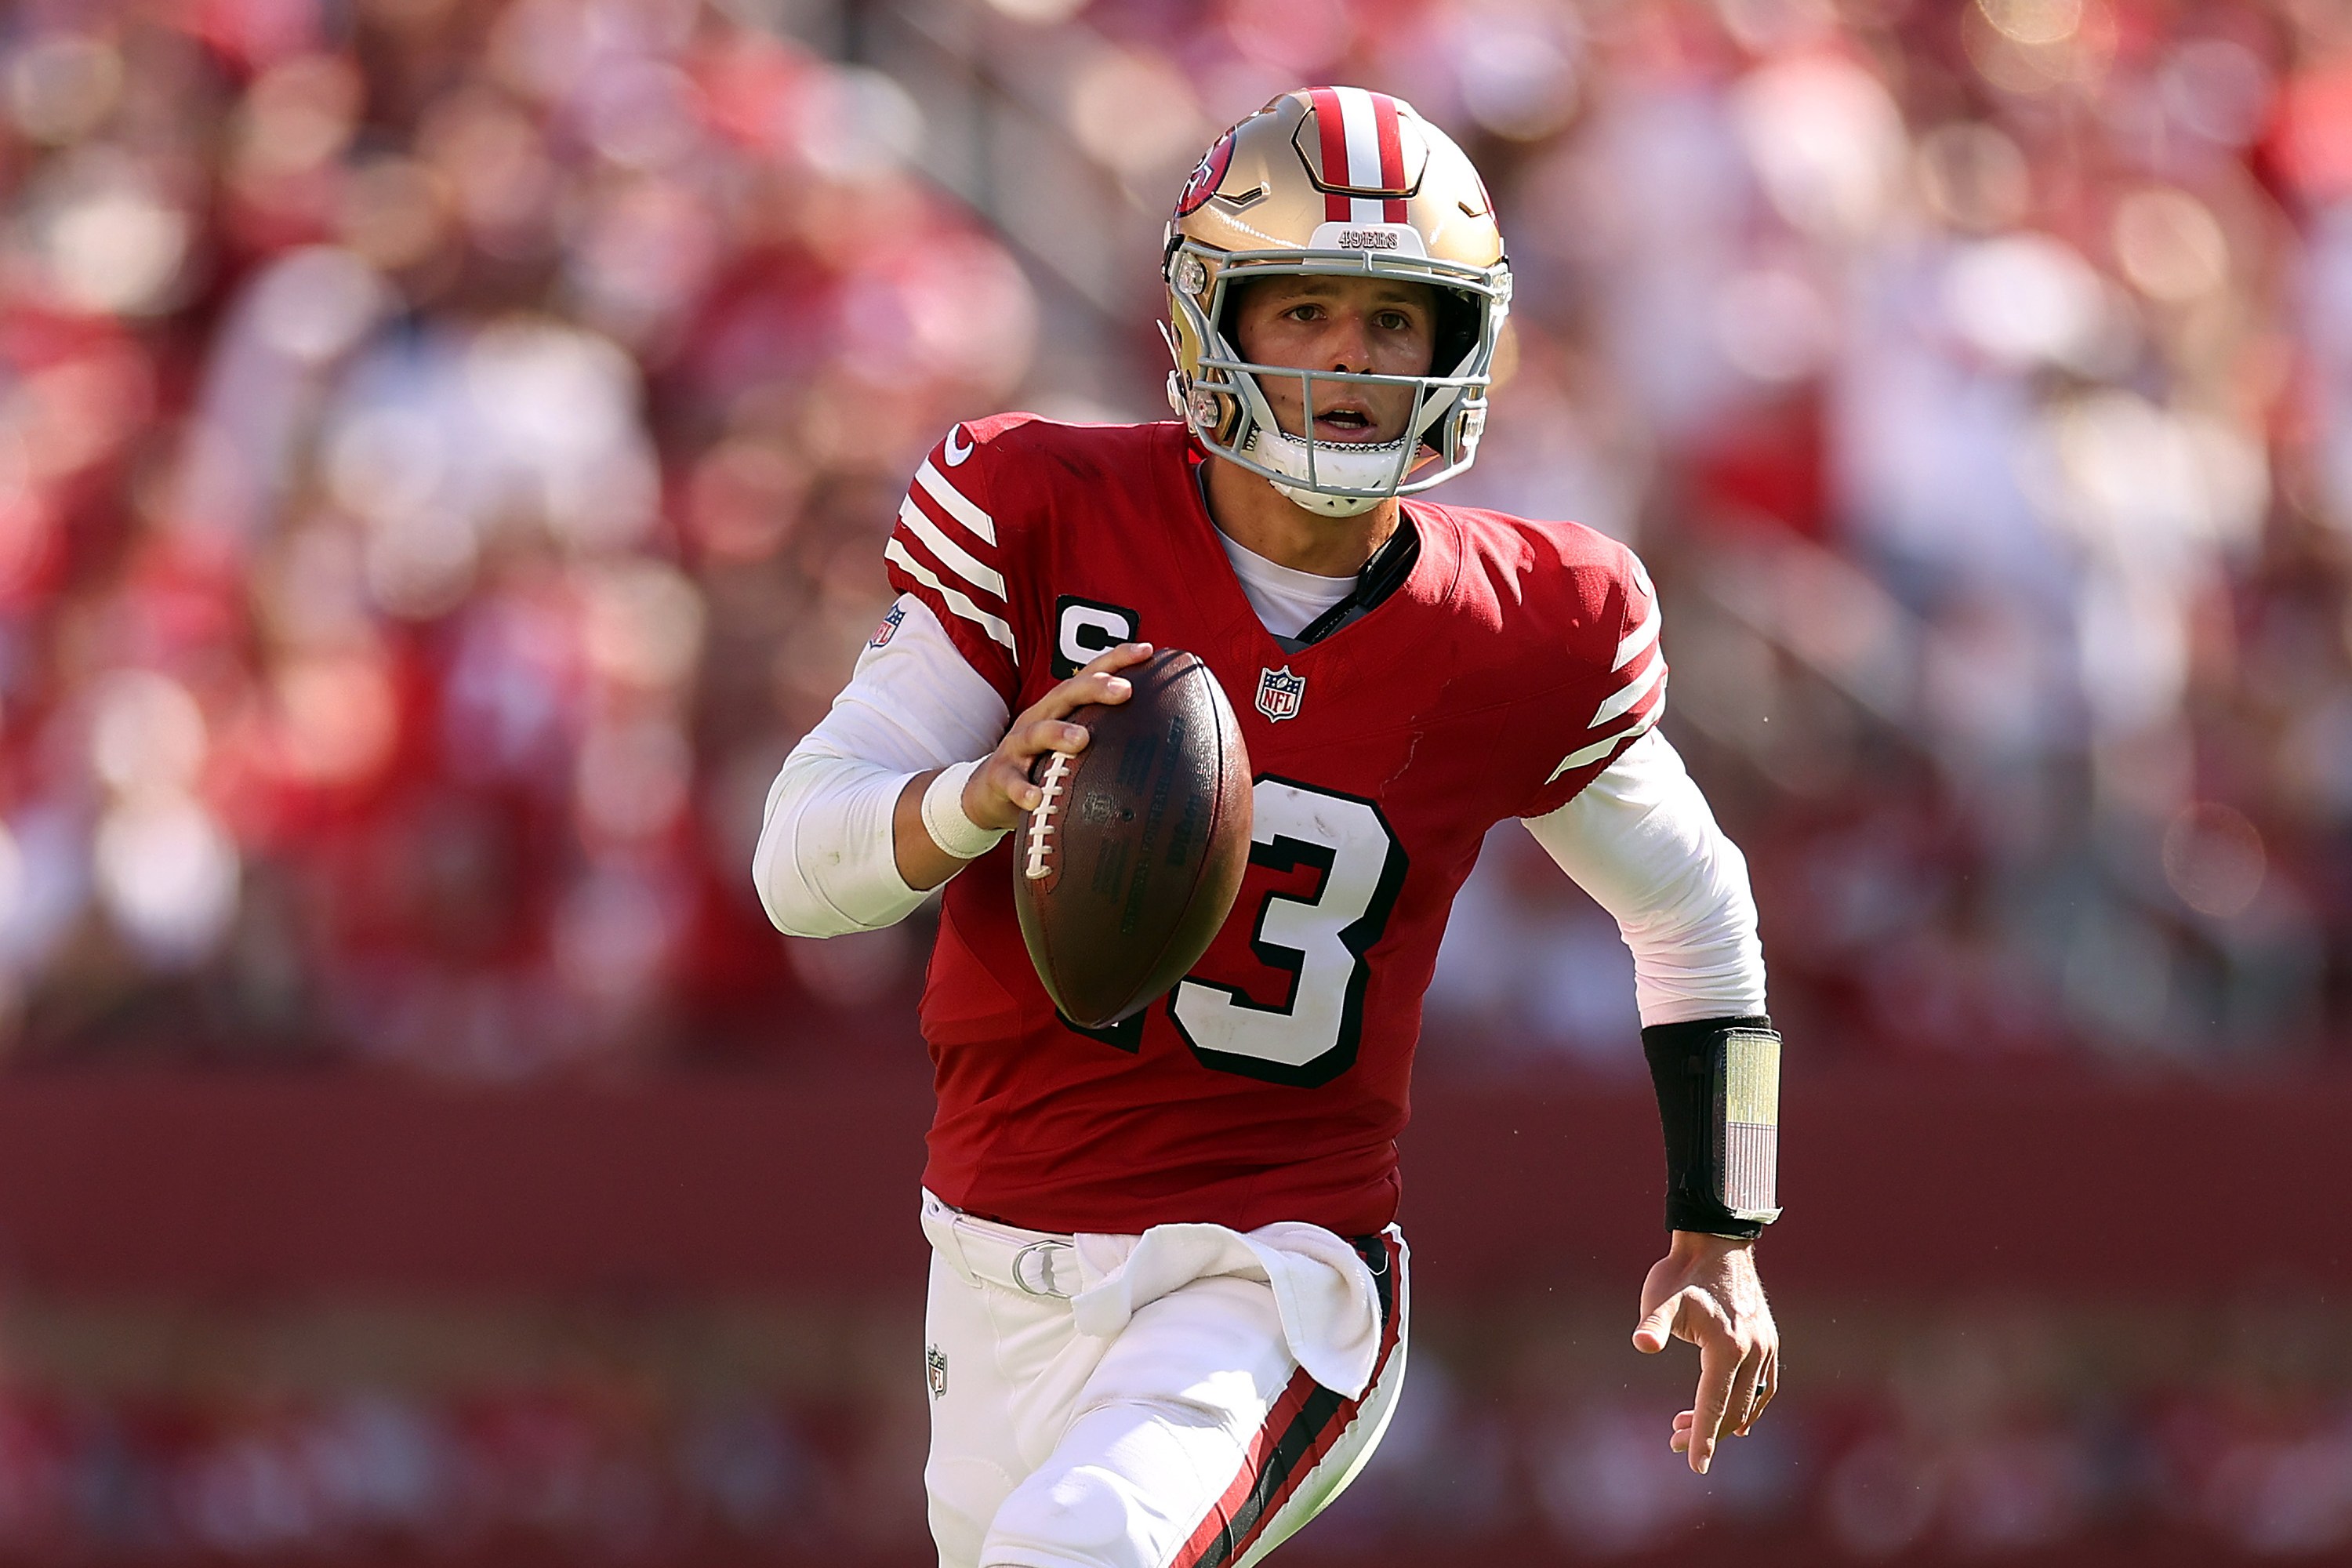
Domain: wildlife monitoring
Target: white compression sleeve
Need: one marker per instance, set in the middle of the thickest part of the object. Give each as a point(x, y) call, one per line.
point(827, 863)
point(1641, 839)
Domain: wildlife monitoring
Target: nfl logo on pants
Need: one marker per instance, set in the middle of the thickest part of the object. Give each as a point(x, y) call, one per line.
point(1278, 692)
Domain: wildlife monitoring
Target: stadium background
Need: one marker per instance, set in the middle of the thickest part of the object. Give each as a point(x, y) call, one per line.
point(445, 450)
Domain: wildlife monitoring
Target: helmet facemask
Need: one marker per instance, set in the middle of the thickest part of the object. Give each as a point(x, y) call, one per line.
point(1225, 403)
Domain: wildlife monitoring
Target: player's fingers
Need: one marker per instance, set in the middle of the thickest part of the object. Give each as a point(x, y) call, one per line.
point(1008, 775)
point(1718, 1363)
point(1767, 1388)
point(1016, 758)
point(1097, 680)
point(1056, 735)
point(1118, 657)
point(1078, 691)
point(1106, 688)
point(1656, 1329)
point(1044, 727)
point(1741, 1408)
point(1744, 1415)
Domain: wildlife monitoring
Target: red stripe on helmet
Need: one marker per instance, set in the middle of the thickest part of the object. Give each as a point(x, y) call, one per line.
point(1333, 131)
point(1384, 116)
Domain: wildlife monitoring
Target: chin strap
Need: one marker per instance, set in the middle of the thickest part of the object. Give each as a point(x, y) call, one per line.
point(1359, 468)
point(1322, 505)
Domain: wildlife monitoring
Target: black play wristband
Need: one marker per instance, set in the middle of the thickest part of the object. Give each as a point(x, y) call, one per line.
point(1718, 1083)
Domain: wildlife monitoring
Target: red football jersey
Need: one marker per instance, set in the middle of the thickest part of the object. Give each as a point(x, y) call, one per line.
point(1514, 663)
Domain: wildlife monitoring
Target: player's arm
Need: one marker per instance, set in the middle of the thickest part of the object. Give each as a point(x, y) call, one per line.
point(859, 824)
point(948, 818)
point(933, 690)
point(826, 862)
point(1641, 840)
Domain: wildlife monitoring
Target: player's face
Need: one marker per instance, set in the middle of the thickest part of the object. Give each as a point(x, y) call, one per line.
point(1374, 324)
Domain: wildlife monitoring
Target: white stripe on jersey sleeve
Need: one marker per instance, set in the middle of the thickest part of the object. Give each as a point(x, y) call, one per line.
point(957, 504)
point(1585, 755)
point(952, 556)
point(1640, 638)
point(1631, 649)
point(1625, 696)
point(956, 599)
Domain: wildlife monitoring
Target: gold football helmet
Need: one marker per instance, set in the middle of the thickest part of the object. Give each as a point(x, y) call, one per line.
point(1342, 181)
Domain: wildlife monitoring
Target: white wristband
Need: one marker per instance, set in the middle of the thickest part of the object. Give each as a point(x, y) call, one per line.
point(944, 818)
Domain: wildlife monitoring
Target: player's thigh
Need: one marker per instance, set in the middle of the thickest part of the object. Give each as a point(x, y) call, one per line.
point(1159, 1435)
point(974, 1461)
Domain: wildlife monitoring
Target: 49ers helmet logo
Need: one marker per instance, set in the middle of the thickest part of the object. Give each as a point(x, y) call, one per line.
point(1206, 176)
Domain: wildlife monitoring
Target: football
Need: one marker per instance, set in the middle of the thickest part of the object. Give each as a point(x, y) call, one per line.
point(1127, 867)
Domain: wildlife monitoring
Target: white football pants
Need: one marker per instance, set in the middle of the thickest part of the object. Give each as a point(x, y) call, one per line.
point(1189, 1439)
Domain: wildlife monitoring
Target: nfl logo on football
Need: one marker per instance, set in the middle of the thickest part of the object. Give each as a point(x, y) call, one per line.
point(1278, 692)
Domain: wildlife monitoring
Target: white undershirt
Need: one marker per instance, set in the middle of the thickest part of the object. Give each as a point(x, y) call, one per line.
point(1640, 840)
point(1287, 599)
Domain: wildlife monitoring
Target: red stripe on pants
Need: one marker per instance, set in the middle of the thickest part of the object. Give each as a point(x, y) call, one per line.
point(1278, 1421)
point(1294, 1395)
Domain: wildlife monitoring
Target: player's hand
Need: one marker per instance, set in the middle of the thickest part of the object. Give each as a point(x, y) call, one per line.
point(999, 790)
point(1706, 1290)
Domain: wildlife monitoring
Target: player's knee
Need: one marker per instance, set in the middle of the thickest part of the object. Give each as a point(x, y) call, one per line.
point(1085, 1514)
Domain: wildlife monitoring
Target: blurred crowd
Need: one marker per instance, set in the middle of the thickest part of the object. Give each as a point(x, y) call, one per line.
point(1987, 1433)
point(445, 445)
point(443, 452)
point(1973, 379)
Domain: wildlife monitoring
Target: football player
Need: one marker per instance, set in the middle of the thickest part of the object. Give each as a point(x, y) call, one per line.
point(1169, 1302)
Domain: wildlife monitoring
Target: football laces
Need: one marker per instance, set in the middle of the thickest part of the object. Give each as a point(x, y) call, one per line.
point(1040, 821)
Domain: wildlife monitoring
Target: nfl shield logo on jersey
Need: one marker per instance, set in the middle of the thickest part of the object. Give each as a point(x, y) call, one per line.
point(1278, 692)
point(888, 628)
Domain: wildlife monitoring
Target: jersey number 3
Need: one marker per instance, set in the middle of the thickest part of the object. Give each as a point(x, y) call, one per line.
point(1311, 1036)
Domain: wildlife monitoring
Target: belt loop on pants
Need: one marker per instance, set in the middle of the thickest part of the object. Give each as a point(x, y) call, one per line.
point(940, 1230)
